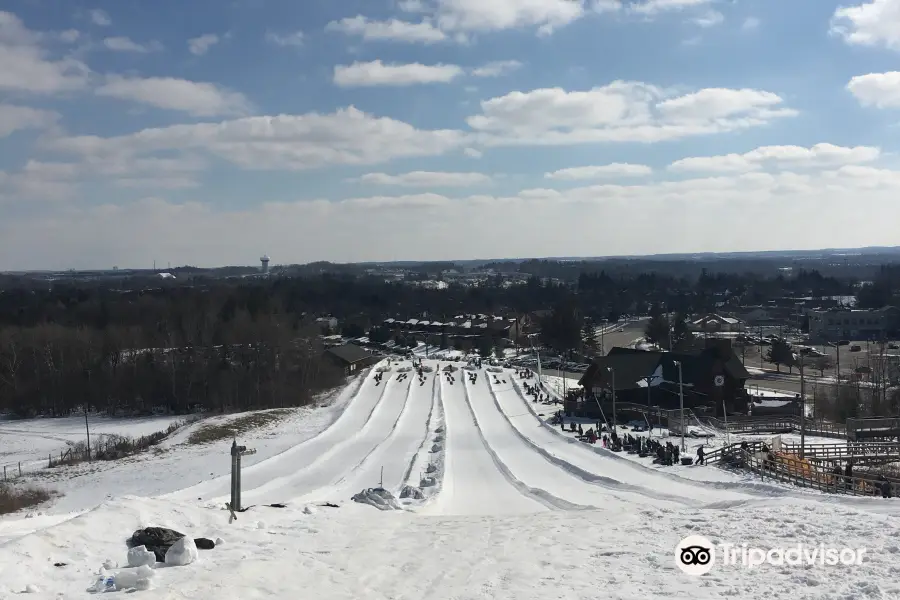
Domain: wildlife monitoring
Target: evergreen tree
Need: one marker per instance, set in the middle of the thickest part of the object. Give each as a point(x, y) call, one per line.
point(681, 333)
point(780, 353)
point(657, 331)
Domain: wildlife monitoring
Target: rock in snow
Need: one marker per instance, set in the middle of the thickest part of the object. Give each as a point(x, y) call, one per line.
point(183, 552)
point(32, 589)
point(219, 541)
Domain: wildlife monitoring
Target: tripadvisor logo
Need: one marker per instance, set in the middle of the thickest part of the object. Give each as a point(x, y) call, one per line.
point(696, 555)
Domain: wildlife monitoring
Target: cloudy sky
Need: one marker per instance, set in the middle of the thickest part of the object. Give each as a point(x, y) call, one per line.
point(209, 132)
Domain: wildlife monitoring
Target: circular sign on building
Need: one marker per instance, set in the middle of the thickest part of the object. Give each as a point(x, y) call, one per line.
point(720, 380)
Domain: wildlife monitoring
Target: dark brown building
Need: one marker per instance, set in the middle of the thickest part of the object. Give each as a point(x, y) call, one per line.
point(351, 358)
point(713, 380)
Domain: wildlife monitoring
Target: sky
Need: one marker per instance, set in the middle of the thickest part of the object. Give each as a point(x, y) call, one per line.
point(210, 132)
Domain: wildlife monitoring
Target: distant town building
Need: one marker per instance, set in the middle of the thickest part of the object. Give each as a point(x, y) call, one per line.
point(844, 324)
point(716, 324)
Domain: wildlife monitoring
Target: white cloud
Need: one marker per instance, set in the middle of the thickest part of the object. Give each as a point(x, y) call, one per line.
point(100, 18)
point(620, 112)
point(653, 7)
point(290, 39)
point(426, 179)
point(709, 19)
point(875, 23)
point(497, 68)
point(70, 35)
point(124, 44)
point(496, 15)
point(120, 170)
point(881, 90)
point(597, 172)
point(26, 67)
point(393, 29)
point(422, 228)
point(14, 118)
point(199, 46)
point(412, 6)
point(473, 153)
point(783, 157)
point(607, 6)
point(750, 23)
point(195, 98)
point(287, 142)
point(376, 73)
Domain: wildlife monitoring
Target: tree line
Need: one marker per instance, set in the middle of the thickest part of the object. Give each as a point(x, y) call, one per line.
point(178, 353)
point(139, 343)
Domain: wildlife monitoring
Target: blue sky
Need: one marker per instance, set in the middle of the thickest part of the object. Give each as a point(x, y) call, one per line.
point(209, 132)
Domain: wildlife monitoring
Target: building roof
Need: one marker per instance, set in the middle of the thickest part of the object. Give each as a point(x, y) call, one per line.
point(631, 366)
point(349, 353)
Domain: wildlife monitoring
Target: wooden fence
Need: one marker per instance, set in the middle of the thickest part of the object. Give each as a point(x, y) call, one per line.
point(788, 469)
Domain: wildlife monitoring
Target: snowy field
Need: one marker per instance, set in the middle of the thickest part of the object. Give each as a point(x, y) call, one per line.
point(29, 441)
point(500, 505)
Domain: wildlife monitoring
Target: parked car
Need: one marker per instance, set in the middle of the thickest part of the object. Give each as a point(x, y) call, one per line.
point(893, 346)
point(855, 348)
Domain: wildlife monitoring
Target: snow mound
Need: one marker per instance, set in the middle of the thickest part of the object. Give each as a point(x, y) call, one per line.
point(139, 556)
point(495, 369)
point(427, 369)
point(309, 510)
point(384, 369)
point(182, 553)
point(380, 498)
point(137, 579)
point(409, 491)
point(404, 369)
point(470, 368)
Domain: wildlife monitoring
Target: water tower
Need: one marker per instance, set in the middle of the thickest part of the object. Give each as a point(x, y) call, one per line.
point(265, 263)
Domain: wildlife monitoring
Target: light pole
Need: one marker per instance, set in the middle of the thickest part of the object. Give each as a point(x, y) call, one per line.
point(613, 374)
point(681, 401)
point(649, 379)
point(802, 409)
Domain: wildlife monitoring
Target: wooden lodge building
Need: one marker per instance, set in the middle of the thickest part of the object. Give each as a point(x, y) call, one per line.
point(711, 374)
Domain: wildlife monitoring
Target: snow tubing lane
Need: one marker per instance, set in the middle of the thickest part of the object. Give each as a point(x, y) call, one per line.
point(428, 431)
point(440, 415)
point(361, 464)
point(756, 489)
point(358, 383)
point(332, 450)
point(586, 476)
point(542, 496)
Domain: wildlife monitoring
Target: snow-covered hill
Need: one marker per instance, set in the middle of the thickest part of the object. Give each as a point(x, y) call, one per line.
point(512, 508)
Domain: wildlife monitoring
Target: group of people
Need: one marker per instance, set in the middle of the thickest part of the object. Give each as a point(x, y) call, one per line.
point(535, 392)
point(525, 374)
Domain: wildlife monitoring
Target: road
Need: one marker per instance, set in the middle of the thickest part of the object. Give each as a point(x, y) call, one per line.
point(632, 331)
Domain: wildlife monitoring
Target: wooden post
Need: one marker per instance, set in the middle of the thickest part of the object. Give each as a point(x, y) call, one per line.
point(4, 472)
point(20, 468)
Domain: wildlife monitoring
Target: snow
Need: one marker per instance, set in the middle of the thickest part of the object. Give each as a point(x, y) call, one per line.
point(29, 441)
point(515, 508)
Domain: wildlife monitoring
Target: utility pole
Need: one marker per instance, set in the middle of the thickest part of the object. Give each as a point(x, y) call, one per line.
point(87, 427)
point(649, 379)
point(613, 373)
point(802, 410)
point(681, 400)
